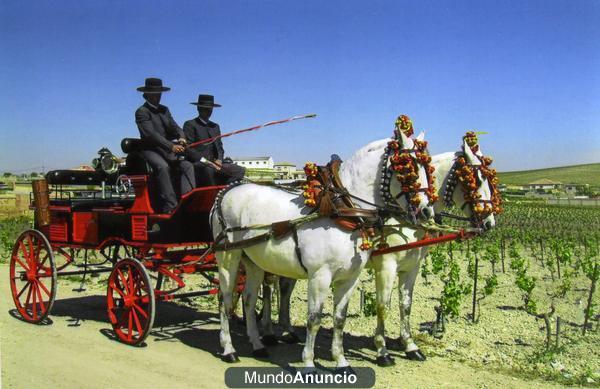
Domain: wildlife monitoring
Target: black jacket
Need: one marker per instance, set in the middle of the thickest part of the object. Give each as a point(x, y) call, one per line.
point(157, 127)
point(196, 131)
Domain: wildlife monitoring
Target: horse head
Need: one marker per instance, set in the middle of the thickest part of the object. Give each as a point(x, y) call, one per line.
point(394, 174)
point(472, 185)
point(409, 162)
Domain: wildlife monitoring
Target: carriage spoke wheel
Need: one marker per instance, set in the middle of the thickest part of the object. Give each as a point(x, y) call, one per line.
point(130, 301)
point(33, 276)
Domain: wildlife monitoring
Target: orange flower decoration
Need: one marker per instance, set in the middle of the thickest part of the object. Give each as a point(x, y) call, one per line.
point(404, 124)
point(406, 167)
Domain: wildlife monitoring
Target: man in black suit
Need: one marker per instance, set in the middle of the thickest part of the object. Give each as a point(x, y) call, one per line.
point(211, 170)
point(164, 141)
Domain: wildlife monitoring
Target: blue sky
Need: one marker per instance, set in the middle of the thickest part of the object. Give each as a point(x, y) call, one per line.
point(527, 72)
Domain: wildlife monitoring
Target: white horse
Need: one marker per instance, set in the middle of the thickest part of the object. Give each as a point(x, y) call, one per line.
point(328, 256)
point(404, 264)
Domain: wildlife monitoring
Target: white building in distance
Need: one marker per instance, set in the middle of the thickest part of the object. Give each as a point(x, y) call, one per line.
point(285, 167)
point(254, 162)
point(287, 172)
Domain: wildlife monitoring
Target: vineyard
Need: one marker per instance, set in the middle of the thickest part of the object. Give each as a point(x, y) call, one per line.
point(521, 300)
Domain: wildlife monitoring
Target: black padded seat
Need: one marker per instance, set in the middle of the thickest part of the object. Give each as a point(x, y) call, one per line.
point(130, 145)
point(135, 163)
point(75, 177)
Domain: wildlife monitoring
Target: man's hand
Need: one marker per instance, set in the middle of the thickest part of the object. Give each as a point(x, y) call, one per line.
point(178, 149)
point(219, 162)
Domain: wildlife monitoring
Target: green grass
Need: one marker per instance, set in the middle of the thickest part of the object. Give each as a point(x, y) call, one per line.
point(577, 174)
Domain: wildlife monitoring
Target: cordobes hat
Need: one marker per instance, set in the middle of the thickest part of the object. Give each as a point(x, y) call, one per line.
point(153, 85)
point(207, 101)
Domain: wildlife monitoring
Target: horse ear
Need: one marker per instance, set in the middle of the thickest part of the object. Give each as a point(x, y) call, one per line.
point(471, 158)
point(421, 136)
point(407, 143)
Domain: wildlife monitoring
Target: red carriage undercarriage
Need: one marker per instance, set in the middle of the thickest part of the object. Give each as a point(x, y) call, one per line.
point(115, 220)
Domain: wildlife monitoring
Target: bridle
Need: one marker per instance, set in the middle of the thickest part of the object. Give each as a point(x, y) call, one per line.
point(471, 197)
point(395, 159)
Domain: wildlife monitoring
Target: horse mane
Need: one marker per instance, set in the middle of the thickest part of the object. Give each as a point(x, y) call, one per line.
point(360, 173)
point(443, 163)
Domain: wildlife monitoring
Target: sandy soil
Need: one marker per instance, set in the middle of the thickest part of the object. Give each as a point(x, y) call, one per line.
point(77, 350)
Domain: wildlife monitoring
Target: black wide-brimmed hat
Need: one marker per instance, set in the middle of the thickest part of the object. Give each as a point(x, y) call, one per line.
point(207, 101)
point(153, 85)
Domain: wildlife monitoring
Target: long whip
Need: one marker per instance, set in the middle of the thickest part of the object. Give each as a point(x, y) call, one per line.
point(290, 119)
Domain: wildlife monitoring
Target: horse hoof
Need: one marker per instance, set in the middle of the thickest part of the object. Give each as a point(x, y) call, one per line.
point(269, 340)
point(347, 370)
point(290, 338)
point(260, 353)
point(416, 355)
point(230, 358)
point(385, 360)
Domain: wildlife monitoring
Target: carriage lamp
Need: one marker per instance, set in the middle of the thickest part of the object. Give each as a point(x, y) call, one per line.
point(106, 162)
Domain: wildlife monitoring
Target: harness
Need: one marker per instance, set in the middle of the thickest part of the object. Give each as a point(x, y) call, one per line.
point(331, 199)
point(471, 197)
point(325, 193)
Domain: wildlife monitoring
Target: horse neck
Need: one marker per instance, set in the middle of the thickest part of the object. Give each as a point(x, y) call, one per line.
point(360, 174)
point(443, 165)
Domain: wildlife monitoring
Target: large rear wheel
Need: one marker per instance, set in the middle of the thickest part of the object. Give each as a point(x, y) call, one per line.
point(130, 301)
point(33, 276)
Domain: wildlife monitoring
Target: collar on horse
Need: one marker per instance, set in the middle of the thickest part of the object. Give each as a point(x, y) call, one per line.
point(325, 192)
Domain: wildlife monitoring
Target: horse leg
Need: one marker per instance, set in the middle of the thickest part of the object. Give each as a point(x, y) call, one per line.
point(385, 271)
point(406, 285)
point(318, 286)
point(342, 291)
point(266, 321)
point(254, 278)
point(228, 263)
point(286, 286)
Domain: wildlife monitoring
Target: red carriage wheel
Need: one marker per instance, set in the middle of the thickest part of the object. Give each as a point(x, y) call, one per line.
point(130, 301)
point(33, 276)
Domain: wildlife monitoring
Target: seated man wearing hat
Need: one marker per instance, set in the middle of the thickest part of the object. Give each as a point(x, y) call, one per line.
point(159, 130)
point(208, 157)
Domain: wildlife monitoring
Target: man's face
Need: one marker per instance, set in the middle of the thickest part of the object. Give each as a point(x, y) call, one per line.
point(205, 112)
point(153, 98)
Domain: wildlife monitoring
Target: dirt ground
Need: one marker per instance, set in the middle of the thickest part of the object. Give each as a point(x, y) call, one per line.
point(77, 350)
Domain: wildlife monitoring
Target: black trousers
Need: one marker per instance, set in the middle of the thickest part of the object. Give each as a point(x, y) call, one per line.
point(208, 176)
point(164, 172)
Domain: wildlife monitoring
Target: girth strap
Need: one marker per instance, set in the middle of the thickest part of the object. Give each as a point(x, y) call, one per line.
point(297, 248)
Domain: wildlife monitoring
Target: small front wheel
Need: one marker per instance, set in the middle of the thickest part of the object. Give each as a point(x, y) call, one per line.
point(130, 301)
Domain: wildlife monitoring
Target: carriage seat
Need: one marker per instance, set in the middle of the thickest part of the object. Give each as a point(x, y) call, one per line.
point(76, 177)
point(135, 163)
point(83, 199)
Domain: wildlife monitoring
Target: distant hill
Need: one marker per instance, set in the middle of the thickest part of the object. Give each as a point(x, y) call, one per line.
point(576, 174)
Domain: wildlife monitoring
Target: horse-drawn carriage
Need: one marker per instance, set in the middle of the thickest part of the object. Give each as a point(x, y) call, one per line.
point(320, 232)
point(110, 211)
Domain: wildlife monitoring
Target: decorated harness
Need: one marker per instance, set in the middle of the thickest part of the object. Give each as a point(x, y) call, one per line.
point(324, 192)
point(465, 173)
